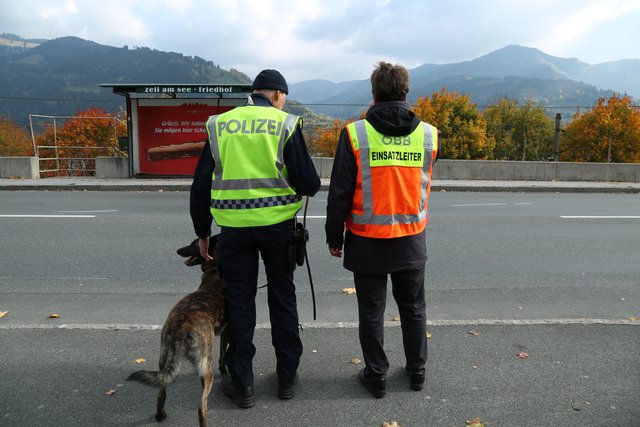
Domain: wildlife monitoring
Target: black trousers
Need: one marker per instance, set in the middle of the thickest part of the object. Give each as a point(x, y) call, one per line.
point(408, 292)
point(240, 249)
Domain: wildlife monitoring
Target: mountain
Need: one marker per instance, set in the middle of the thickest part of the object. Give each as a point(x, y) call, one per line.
point(515, 72)
point(310, 90)
point(61, 76)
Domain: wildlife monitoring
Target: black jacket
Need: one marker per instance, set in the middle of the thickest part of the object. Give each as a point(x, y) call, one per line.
point(302, 174)
point(365, 254)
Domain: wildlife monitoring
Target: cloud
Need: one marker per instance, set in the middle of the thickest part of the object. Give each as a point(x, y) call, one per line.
point(336, 39)
point(581, 24)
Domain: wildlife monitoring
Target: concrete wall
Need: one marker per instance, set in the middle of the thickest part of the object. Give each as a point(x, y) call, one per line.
point(112, 167)
point(498, 170)
point(19, 167)
point(492, 170)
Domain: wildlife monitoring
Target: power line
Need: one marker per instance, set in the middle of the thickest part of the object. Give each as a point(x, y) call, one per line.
point(17, 98)
point(315, 104)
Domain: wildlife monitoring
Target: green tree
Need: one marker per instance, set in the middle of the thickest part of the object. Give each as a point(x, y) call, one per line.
point(610, 132)
point(462, 128)
point(522, 131)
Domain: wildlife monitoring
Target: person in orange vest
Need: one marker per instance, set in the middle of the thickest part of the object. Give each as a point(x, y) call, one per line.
point(379, 192)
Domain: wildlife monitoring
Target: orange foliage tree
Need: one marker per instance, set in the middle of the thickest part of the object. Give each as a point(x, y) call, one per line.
point(326, 138)
point(14, 141)
point(88, 134)
point(462, 127)
point(610, 132)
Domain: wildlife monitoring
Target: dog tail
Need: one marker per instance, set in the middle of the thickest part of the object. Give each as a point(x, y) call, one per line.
point(164, 376)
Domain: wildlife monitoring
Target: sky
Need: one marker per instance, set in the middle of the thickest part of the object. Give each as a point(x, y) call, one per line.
point(337, 40)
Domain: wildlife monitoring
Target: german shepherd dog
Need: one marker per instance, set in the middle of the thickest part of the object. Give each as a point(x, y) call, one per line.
point(189, 332)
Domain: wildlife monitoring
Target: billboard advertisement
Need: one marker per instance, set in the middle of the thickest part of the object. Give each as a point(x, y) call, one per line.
point(169, 134)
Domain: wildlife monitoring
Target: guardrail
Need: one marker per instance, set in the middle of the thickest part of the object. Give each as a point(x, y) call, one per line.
point(503, 170)
point(116, 167)
point(82, 164)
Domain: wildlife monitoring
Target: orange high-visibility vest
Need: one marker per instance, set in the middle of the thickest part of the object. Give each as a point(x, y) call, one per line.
point(393, 182)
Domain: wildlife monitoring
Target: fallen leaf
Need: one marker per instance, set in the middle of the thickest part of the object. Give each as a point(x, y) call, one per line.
point(396, 318)
point(523, 355)
point(3, 313)
point(390, 424)
point(349, 291)
point(476, 422)
point(54, 316)
point(140, 360)
point(474, 333)
point(356, 361)
point(632, 318)
point(110, 392)
point(428, 335)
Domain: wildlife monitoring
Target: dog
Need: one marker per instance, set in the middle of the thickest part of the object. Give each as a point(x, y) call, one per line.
point(189, 332)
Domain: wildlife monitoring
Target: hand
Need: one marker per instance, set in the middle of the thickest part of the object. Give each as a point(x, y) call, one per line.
point(336, 252)
point(203, 243)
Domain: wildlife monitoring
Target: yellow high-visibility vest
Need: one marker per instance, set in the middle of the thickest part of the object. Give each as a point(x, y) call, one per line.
point(250, 183)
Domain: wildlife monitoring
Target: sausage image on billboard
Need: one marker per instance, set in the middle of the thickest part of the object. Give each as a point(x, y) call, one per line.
point(175, 151)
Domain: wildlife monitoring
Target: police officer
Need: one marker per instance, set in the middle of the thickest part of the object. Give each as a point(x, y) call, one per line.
point(379, 191)
point(250, 179)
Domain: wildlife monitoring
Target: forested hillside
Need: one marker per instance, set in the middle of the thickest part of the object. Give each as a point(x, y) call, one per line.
point(61, 76)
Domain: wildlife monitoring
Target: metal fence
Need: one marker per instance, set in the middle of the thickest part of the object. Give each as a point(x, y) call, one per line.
point(69, 159)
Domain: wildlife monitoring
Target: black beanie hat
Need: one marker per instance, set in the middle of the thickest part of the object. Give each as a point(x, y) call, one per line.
point(270, 79)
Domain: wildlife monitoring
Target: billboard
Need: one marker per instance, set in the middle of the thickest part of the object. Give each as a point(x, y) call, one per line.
point(168, 134)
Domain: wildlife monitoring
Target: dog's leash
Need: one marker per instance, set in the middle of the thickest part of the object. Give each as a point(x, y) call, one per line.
point(306, 258)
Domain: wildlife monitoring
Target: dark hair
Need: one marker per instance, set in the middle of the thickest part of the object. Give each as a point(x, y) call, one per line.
point(389, 82)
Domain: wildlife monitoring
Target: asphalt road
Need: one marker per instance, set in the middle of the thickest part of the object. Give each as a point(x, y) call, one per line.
point(553, 275)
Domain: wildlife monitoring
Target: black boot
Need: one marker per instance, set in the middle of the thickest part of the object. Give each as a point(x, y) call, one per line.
point(376, 385)
point(244, 398)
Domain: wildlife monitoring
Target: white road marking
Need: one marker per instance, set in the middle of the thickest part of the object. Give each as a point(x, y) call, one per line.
point(342, 325)
point(96, 211)
point(47, 216)
point(466, 205)
point(600, 216)
point(53, 277)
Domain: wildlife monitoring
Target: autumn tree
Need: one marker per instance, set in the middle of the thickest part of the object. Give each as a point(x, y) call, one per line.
point(326, 140)
point(14, 141)
point(462, 127)
point(88, 134)
point(522, 131)
point(610, 132)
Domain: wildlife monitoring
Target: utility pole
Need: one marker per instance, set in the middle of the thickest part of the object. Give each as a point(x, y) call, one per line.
point(556, 144)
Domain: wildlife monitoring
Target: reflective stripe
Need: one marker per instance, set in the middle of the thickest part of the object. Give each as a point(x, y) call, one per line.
point(248, 184)
point(215, 149)
point(365, 169)
point(262, 202)
point(367, 216)
point(287, 128)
